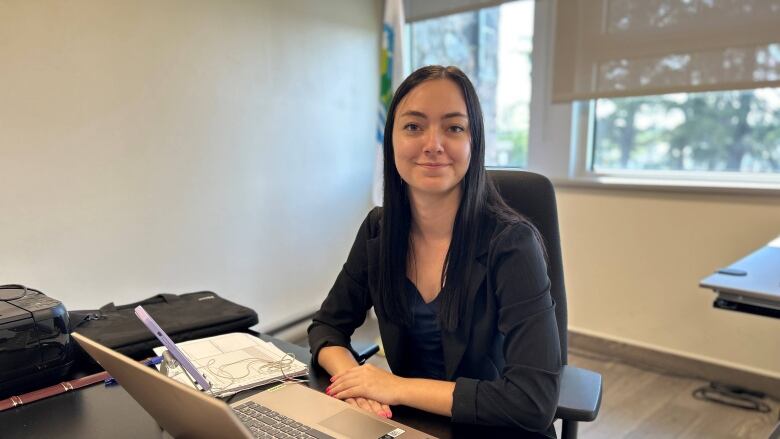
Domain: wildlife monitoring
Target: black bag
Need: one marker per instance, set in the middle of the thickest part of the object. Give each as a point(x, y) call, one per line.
point(183, 317)
point(35, 347)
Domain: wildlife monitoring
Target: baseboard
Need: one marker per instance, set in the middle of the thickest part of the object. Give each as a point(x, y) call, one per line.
point(290, 323)
point(295, 334)
point(673, 363)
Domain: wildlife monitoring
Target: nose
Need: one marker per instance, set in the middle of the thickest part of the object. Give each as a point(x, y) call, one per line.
point(433, 144)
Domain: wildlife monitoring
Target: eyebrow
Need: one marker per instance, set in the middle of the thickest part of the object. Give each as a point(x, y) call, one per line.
point(423, 116)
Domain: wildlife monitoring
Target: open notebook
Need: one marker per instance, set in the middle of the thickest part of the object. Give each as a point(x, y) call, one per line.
point(235, 362)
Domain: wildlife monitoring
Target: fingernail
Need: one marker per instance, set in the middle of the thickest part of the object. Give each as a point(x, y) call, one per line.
point(331, 379)
point(388, 414)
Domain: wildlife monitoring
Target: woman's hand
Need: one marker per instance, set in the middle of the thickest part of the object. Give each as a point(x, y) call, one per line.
point(369, 382)
point(371, 406)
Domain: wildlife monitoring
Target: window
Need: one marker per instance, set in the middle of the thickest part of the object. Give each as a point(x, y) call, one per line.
point(730, 131)
point(493, 47)
point(624, 91)
point(683, 93)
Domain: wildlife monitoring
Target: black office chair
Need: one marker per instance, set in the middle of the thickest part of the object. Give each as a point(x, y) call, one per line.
point(533, 196)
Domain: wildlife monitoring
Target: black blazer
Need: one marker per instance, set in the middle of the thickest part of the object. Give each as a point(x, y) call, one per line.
point(505, 355)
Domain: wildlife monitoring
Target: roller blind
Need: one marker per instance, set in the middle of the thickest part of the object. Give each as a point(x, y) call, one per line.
point(417, 10)
point(615, 48)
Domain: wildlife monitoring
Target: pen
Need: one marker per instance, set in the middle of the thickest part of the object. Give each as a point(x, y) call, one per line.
point(153, 361)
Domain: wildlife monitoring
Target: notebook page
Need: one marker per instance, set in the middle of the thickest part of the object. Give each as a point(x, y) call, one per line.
point(236, 361)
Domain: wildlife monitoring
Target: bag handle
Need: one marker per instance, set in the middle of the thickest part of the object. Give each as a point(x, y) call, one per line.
point(167, 298)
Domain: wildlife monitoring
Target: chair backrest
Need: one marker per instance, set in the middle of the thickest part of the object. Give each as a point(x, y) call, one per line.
point(533, 196)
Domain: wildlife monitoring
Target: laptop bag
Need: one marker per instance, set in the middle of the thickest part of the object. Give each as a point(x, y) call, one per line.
point(183, 317)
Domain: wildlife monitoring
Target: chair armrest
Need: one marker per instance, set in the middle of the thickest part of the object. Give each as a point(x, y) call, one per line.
point(580, 397)
point(364, 350)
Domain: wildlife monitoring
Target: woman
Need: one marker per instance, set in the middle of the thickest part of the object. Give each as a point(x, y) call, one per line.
point(457, 278)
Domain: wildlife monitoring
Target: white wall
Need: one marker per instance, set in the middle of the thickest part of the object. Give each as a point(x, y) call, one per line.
point(633, 260)
point(175, 146)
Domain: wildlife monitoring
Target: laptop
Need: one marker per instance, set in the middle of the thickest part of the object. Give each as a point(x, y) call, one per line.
point(753, 280)
point(289, 410)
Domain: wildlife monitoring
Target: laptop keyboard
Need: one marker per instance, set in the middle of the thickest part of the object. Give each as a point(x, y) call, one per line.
point(266, 423)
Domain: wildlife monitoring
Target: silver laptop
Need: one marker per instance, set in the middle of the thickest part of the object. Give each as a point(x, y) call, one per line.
point(754, 279)
point(286, 411)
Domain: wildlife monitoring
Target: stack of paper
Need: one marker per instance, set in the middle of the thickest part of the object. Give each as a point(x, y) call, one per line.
point(235, 362)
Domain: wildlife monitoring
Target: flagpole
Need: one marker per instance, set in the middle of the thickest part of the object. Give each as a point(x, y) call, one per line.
point(390, 76)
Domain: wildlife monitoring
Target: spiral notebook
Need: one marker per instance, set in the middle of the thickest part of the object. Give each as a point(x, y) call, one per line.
point(235, 362)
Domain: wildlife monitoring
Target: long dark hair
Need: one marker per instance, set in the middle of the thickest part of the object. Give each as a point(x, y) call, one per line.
point(479, 201)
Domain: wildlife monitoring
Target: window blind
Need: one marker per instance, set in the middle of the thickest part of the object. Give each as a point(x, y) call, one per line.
point(418, 10)
point(616, 48)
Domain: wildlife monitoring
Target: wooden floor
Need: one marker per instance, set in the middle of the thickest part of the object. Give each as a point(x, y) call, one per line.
point(639, 403)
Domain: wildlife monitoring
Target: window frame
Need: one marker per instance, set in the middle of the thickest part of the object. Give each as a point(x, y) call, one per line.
point(583, 144)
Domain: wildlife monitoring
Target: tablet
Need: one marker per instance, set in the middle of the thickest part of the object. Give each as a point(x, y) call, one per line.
point(172, 348)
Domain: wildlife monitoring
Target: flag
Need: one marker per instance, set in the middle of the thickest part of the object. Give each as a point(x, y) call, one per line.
point(391, 71)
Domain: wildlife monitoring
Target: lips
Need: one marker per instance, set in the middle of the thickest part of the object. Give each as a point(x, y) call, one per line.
point(433, 165)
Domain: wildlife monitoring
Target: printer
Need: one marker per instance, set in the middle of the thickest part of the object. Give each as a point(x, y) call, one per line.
point(35, 345)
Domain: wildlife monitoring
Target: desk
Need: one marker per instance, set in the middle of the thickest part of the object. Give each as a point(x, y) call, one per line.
point(750, 285)
point(109, 412)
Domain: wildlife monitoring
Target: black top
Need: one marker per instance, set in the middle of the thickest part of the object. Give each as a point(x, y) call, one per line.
point(425, 336)
point(504, 357)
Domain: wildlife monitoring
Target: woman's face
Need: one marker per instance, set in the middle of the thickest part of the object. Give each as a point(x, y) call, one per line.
point(431, 140)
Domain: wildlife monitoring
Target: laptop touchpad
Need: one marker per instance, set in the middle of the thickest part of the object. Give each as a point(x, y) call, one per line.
point(352, 423)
